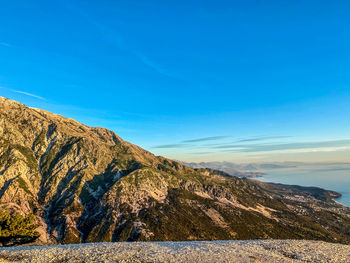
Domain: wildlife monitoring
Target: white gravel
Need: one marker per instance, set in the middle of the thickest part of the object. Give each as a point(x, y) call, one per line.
point(211, 251)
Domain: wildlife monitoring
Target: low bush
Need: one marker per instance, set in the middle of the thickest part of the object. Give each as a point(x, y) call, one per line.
point(16, 229)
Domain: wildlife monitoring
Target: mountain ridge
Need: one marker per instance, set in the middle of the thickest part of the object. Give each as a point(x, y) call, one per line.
point(231, 167)
point(87, 184)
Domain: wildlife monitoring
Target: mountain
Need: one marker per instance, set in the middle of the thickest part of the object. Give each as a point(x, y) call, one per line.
point(86, 184)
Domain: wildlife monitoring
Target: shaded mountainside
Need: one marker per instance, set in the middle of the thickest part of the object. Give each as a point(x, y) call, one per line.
point(86, 184)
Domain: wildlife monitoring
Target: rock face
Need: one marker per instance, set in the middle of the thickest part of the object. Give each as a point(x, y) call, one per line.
point(86, 184)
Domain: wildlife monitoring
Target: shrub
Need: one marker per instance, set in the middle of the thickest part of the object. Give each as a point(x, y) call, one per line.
point(17, 229)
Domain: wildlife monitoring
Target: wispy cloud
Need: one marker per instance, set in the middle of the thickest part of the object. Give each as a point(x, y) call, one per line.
point(187, 143)
point(262, 145)
point(233, 146)
point(314, 146)
point(213, 138)
point(114, 36)
point(263, 138)
point(164, 146)
point(202, 153)
point(25, 93)
point(153, 65)
point(29, 94)
point(5, 44)
point(227, 145)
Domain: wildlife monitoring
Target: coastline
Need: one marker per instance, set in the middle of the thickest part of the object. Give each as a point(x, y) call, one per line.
point(333, 184)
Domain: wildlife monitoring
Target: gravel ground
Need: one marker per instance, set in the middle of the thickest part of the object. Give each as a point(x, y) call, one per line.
point(214, 251)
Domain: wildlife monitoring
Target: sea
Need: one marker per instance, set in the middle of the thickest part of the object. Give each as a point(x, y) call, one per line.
point(330, 176)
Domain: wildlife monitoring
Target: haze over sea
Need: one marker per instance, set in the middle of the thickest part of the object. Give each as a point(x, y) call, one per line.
point(331, 176)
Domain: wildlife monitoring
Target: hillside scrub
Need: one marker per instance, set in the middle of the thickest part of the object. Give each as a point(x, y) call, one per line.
point(17, 229)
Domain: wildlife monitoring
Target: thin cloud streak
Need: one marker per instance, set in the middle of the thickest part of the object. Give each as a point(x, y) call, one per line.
point(153, 65)
point(115, 37)
point(199, 153)
point(296, 147)
point(28, 94)
point(184, 144)
point(213, 138)
point(263, 138)
point(25, 93)
point(246, 140)
point(229, 146)
point(5, 44)
point(178, 145)
point(307, 150)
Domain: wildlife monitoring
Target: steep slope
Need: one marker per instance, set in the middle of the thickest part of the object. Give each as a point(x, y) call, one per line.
point(86, 184)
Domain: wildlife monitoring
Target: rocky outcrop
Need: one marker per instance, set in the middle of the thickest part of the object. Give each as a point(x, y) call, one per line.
point(86, 184)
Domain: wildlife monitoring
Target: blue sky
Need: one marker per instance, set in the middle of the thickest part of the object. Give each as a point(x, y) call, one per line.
point(192, 80)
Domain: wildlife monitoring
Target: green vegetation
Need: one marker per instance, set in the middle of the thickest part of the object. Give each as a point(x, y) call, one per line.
point(5, 157)
point(22, 184)
point(17, 229)
point(40, 140)
point(29, 155)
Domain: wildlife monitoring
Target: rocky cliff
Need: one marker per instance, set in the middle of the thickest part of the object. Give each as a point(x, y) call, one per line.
point(86, 184)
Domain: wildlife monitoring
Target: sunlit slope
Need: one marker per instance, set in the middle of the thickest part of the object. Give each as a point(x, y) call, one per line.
point(86, 184)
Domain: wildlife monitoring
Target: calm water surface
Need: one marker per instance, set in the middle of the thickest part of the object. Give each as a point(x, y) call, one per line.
point(334, 177)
